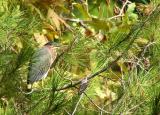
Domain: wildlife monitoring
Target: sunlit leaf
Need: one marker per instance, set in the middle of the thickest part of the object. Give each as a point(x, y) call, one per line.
point(54, 19)
point(40, 38)
point(100, 93)
point(82, 10)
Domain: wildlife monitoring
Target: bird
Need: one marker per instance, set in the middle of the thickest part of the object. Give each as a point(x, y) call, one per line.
point(83, 86)
point(41, 62)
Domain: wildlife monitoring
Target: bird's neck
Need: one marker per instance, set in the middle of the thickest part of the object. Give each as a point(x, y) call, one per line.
point(52, 52)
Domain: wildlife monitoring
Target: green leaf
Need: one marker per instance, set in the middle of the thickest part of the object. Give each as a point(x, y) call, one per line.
point(130, 16)
point(82, 10)
point(99, 24)
point(131, 8)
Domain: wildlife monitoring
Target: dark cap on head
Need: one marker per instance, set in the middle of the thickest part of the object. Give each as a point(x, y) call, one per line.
point(52, 43)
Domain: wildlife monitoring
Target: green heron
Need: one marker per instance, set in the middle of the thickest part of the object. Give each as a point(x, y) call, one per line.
point(41, 62)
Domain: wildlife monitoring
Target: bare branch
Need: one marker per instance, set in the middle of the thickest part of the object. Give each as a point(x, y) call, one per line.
point(96, 105)
point(77, 104)
point(121, 11)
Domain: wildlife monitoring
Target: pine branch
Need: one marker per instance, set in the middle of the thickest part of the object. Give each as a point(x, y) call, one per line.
point(133, 38)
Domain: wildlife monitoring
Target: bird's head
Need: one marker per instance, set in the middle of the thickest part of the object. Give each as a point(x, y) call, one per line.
point(52, 43)
point(55, 45)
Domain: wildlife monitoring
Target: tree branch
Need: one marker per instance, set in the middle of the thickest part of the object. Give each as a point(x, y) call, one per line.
point(132, 39)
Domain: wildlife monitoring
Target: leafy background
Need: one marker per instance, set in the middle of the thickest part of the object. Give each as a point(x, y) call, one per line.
point(119, 36)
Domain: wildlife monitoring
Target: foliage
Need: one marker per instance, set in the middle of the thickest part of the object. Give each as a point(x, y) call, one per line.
point(115, 44)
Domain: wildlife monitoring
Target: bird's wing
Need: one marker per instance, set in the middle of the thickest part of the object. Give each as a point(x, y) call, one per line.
point(39, 65)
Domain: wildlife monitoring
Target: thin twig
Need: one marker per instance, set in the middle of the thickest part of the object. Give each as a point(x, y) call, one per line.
point(77, 104)
point(121, 11)
point(146, 47)
point(66, 111)
point(96, 105)
point(134, 107)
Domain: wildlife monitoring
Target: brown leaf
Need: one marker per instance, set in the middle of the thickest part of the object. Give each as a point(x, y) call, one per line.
point(54, 19)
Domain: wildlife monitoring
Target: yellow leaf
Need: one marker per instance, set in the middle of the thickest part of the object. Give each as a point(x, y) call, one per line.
point(100, 93)
point(54, 18)
point(40, 39)
point(141, 41)
point(56, 21)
